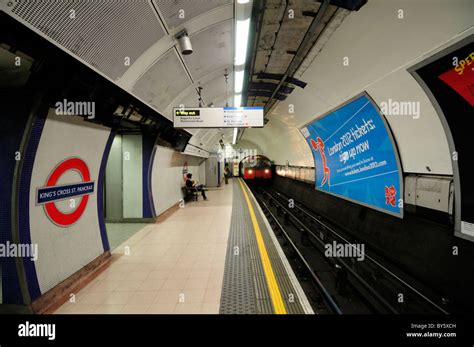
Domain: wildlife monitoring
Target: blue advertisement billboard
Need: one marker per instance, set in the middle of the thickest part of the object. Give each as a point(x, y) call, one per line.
point(355, 156)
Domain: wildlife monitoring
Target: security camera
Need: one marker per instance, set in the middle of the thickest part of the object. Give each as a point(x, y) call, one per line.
point(184, 43)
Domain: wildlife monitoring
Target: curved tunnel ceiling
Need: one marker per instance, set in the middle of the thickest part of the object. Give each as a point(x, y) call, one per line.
point(133, 45)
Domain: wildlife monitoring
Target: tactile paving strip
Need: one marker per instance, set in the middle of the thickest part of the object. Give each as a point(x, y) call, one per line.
point(245, 289)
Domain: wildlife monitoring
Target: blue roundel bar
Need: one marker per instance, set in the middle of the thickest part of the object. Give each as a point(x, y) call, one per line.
point(56, 193)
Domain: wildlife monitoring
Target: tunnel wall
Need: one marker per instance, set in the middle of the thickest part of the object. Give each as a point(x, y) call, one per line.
point(63, 250)
point(167, 176)
point(248, 146)
point(419, 246)
point(380, 48)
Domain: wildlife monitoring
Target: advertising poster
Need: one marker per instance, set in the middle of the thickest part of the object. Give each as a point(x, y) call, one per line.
point(447, 78)
point(355, 156)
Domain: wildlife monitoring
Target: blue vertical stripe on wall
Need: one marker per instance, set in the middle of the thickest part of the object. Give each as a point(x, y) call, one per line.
point(148, 154)
point(13, 121)
point(24, 200)
point(100, 192)
point(150, 180)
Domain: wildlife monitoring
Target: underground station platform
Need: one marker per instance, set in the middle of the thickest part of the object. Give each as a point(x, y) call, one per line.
point(216, 256)
point(176, 170)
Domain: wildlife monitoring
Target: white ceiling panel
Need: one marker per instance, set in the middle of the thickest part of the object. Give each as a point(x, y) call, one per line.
point(212, 50)
point(178, 12)
point(163, 82)
point(102, 33)
point(213, 91)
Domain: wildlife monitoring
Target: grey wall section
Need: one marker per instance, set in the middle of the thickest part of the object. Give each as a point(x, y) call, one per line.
point(212, 171)
point(200, 167)
point(128, 178)
point(167, 176)
point(132, 176)
point(113, 182)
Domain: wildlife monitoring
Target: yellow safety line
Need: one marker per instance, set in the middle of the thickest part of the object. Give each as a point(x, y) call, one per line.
point(275, 293)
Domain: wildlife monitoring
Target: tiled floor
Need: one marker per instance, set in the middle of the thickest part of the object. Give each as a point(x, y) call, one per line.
point(117, 233)
point(175, 266)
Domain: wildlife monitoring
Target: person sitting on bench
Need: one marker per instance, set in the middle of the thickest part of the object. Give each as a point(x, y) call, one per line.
point(200, 187)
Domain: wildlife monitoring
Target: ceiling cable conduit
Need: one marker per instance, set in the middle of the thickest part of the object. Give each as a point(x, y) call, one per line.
point(302, 50)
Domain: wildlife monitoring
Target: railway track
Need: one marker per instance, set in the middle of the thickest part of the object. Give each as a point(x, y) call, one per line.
point(342, 284)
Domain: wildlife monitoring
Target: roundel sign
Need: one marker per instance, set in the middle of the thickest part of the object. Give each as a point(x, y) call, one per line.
point(52, 192)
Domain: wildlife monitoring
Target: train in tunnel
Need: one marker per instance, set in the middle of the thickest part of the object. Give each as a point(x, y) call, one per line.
point(256, 169)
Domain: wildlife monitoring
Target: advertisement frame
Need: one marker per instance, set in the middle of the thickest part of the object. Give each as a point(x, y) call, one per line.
point(393, 142)
point(413, 70)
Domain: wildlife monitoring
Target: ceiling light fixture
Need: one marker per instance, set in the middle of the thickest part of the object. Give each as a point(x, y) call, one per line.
point(234, 139)
point(237, 100)
point(242, 15)
point(239, 81)
point(241, 41)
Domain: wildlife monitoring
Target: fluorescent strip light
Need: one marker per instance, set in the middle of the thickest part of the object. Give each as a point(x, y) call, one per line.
point(241, 39)
point(243, 1)
point(237, 100)
point(234, 140)
point(239, 81)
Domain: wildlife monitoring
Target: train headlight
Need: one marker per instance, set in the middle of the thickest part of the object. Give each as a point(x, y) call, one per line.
point(267, 171)
point(250, 171)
